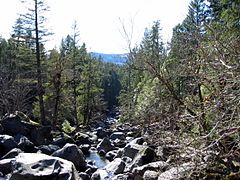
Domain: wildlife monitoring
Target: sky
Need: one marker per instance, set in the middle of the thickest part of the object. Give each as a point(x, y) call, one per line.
point(100, 22)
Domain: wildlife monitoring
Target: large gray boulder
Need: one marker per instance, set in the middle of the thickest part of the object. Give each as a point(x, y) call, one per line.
point(14, 125)
point(159, 166)
point(150, 175)
point(82, 138)
point(117, 135)
point(101, 174)
point(132, 149)
point(6, 166)
point(7, 143)
point(177, 172)
point(25, 144)
point(72, 152)
point(144, 155)
point(48, 149)
point(105, 145)
point(36, 166)
point(101, 133)
point(63, 140)
point(116, 166)
point(12, 154)
point(41, 135)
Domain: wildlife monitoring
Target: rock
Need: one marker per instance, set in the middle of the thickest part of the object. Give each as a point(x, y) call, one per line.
point(34, 166)
point(72, 153)
point(117, 135)
point(111, 155)
point(126, 159)
point(164, 152)
point(116, 166)
point(82, 138)
point(138, 141)
point(7, 143)
point(12, 154)
point(48, 149)
point(105, 145)
point(41, 135)
point(6, 166)
point(25, 144)
point(101, 133)
point(85, 148)
point(150, 175)
point(84, 176)
point(62, 140)
point(144, 156)
point(123, 177)
point(119, 143)
point(100, 174)
point(131, 149)
point(102, 152)
point(14, 125)
point(177, 172)
point(90, 169)
point(1, 129)
point(156, 166)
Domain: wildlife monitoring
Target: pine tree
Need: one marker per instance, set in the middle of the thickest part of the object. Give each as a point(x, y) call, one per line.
point(33, 21)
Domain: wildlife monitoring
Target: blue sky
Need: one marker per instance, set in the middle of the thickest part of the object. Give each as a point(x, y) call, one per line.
point(98, 20)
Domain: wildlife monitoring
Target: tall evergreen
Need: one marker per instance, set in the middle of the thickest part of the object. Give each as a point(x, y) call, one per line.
point(34, 20)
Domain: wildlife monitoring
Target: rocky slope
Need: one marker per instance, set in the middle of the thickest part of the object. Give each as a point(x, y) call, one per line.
point(30, 152)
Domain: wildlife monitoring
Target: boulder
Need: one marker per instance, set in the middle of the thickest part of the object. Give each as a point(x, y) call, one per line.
point(7, 143)
point(111, 155)
point(1, 129)
point(124, 177)
point(100, 174)
point(72, 153)
point(41, 135)
point(116, 166)
point(101, 133)
point(6, 166)
point(144, 156)
point(12, 154)
point(48, 149)
point(150, 175)
point(35, 166)
point(131, 149)
point(117, 135)
point(14, 125)
point(177, 172)
point(82, 138)
point(159, 166)
point(85, 148)
point(105, 145)
point(62, 140)
point(84, 176)
point(119, 143)
point(25, 144)
point(138, 141)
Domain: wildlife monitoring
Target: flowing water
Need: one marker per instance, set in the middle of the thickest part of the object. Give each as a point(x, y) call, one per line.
point(99, 161)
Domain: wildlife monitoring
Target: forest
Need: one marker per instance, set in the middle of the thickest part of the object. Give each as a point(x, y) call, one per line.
point(184, 95)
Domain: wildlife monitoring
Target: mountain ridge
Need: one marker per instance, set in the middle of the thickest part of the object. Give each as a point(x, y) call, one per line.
point(112, 58)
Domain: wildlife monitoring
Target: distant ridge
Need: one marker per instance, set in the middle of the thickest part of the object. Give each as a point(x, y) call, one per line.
point(112, 58)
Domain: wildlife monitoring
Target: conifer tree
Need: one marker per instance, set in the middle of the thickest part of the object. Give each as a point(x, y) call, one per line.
point(33, 21)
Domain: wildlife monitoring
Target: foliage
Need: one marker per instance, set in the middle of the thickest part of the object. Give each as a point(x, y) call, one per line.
point(67, 128)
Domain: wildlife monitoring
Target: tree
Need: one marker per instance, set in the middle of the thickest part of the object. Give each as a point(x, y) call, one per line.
point(186, 58)
point(33, 21)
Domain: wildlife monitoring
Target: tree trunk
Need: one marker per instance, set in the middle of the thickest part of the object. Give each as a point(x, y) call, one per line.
point(39, 73)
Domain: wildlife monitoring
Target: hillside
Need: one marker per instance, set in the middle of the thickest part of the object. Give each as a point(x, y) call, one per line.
point(113, 58)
